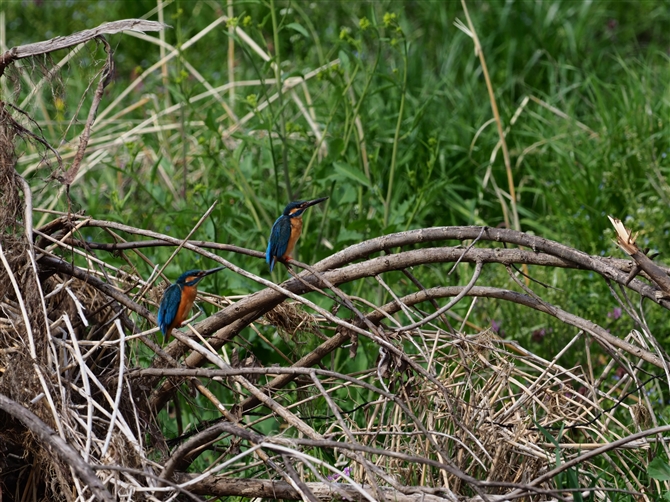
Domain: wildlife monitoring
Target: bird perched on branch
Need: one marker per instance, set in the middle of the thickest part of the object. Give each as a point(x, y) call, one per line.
point(178, 299)
point(286, 231)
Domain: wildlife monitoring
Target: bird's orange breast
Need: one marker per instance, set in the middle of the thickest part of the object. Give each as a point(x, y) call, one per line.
point(187, 298)
point(296, 230)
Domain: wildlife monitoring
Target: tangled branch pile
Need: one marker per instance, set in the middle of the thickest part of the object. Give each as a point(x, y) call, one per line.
point(443, 411)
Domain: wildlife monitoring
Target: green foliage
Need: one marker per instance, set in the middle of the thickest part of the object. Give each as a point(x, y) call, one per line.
point(407, 138)
point(659, 469)
point(568, 479)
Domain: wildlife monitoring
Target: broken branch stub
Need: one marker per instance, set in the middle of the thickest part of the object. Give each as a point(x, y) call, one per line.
point(626, 241)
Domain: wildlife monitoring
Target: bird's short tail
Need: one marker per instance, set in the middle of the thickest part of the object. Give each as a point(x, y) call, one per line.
point(269, 258)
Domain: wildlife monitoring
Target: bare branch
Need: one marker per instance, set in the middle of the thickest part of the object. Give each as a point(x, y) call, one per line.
point(121, 246)
point(178, 462)
point(221, 486)
point(80, 37)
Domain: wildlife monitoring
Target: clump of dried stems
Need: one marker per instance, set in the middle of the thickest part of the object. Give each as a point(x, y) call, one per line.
point(438, 414)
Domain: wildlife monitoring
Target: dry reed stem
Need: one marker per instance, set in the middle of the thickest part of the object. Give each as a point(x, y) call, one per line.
point(472, 33)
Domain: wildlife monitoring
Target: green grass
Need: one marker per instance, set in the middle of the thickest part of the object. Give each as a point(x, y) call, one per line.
point(589, 61)
point(410, 78)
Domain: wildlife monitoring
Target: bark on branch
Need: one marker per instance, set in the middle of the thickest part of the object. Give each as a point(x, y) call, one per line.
point(220, 486)
point(80, 37)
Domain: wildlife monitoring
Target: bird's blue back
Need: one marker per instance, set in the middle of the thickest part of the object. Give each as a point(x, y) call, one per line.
point(279, 237)
point(167, 311)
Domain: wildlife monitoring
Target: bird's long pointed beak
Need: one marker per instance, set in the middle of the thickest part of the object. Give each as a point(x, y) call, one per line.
point(315, 201)
point(211, 271)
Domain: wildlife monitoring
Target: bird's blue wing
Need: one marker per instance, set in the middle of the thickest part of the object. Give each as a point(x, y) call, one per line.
point(169, 306)
point(279, 237)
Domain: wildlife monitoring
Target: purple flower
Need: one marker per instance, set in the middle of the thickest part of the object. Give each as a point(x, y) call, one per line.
point(538, 335)
point(495, 326)
point(615, 314)
point(335, 476)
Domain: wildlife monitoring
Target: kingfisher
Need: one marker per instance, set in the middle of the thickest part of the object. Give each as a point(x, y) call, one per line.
point(178, 299)
point(286, 231)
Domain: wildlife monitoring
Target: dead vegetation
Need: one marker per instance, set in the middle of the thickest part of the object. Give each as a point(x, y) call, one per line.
point(438, 414)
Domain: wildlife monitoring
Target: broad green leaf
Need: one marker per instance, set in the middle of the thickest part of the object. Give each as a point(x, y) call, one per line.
point(349, 236)
point(210, 121)
point(299, 28)
point(659, 469)
point(344, 60)
point(348, 196)
point(547, 435)
point(351, 173)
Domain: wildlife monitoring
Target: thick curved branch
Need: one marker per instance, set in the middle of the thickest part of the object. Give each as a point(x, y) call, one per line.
point(265, 300)
point(436, 234)
point(570, 256)
point(547, 260)
point(221, 486)
point(598, 332)
point(225, 323)
point(53, 442)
